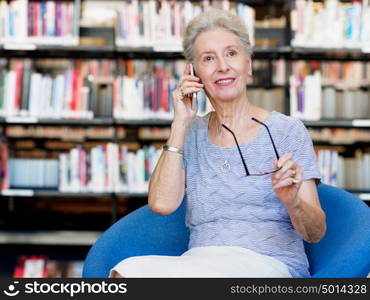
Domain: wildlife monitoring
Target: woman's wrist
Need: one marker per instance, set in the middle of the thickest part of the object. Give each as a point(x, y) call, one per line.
point(177, 135)
point(294, 207)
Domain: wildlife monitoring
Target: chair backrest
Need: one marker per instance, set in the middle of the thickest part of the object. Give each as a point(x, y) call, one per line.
point(343, 252)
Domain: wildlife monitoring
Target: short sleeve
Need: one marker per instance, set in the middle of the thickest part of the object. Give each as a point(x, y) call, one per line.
point(299, 143)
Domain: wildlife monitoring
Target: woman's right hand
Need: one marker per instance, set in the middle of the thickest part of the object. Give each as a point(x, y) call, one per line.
point(182, 96)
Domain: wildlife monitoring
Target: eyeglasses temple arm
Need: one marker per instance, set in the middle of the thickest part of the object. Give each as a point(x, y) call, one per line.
point(268, 131)
point(240, 152)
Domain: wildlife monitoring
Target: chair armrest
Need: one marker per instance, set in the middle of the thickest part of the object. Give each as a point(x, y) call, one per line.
point(345, 249)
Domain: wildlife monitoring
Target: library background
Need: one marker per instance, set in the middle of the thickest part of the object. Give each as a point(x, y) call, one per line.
point(85, 107)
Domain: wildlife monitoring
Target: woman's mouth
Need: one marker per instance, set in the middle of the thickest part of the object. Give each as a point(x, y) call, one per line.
point(225, 81)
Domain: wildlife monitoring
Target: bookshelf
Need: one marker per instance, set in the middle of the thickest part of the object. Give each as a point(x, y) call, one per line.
point(274, 56)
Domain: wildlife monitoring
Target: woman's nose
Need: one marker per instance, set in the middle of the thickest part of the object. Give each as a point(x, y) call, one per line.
point(222, 65)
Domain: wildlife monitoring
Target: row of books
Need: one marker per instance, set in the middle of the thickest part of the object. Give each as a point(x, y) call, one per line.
point(40, 266)
point(339, 74)
point(138, 23)
point(63, 133)
point(311, 99)
point(333, 136)
point(25, 22)
point(103, 168)
point(111, 168)
point(77, 90)
point(108, 168)
point(154, 133)
point(55, 89)
point(160, 24)
point(346, 104)
point(308, 101)
point(85, 89)
point(340, 136)
point(331, 24)
point(149, 97)
point(345, 172)
point(33, 173)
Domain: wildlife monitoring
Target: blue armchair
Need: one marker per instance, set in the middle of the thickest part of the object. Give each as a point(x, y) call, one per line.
point(343, 252)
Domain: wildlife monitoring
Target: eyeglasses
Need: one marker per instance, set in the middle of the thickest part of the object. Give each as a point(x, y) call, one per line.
point(261, 173)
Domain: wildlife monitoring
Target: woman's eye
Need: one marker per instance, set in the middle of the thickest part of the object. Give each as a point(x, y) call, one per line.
point(231, 53)
point(207, 58)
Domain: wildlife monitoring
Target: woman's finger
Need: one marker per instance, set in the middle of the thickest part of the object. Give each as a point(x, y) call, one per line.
point(289, 164)
point(191, 83)
point(289, 173)
point(284, 158)
point(184, 84)
point(187, 91)
point(188, 77)
point(285, 182)
point(187, 69)
point(291, 176)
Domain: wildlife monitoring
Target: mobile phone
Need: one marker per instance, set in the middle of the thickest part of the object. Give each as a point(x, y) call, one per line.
point(194, 103)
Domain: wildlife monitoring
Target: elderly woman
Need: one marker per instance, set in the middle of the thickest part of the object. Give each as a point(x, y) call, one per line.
point(248, 209)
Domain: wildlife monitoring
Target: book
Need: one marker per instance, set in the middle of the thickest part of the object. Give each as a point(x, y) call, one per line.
point(4, 171)
point(41, 266)
point(30, 267)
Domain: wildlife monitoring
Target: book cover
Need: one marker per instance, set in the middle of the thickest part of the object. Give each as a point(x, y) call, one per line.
point(76, 18)
point(36, 17)
point(4, 173)
point(26, 84)
point(18, 68)
point(50, 18)
point(58, 19)
point(42, 16)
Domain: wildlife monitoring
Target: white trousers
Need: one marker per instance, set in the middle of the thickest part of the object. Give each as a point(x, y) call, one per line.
point(210, 261)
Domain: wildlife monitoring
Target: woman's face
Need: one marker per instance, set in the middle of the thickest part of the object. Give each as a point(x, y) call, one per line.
point(222, 64)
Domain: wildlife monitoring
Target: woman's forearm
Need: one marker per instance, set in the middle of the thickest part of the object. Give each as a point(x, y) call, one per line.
point(308, 220)
point(167, 183)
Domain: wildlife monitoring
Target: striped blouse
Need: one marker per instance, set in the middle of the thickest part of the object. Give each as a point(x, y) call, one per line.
point(224, 207)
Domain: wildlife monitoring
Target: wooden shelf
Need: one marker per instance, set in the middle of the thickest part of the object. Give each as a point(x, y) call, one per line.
point(339, 123)
point(362, 194)
point(56, 193)
point(52, 237)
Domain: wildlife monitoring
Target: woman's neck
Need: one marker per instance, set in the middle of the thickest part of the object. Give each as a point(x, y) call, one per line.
point(234, 115)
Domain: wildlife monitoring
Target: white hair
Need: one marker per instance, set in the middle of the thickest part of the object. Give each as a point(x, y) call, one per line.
point(211, 19)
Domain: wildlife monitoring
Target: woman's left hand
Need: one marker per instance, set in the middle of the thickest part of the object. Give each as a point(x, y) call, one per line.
point(287, 181)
